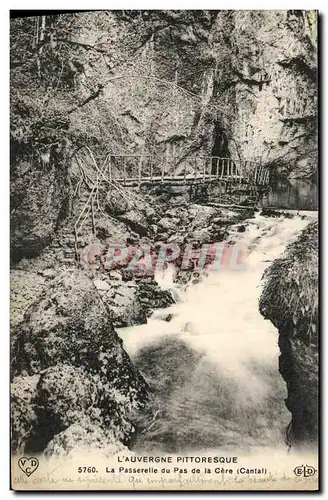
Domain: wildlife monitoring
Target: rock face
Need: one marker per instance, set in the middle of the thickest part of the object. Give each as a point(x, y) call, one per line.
point(39, 201)
point(131, 303)
point(175, 85)
point(290, 301)
point(68, 343)
point(23, 404)
point(299, 366)
point(251, 95)
point(25, 289)
point(272, 88)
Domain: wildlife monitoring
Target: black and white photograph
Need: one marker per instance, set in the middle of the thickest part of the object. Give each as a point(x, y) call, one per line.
point(164, 198)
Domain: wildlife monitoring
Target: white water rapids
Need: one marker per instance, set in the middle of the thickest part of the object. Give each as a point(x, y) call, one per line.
point(214, 366)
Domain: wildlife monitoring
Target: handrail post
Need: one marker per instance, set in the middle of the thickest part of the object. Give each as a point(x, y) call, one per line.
point(163, 168)
point(93, 217)
point(75, 243)
point(151, 168)
point(139, 171)
point(110, 167)
point(124, 170)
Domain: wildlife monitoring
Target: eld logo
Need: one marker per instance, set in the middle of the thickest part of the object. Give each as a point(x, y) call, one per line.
point(304, 470)
point(28, 465)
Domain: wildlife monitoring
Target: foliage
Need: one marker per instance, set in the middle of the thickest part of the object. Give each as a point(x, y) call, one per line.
point(73, 74)
point(41, 89)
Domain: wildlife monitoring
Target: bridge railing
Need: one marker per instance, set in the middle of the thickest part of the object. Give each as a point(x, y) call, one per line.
point(128, 169)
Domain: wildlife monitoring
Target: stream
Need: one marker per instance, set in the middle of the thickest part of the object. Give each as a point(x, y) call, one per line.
point(213, 368)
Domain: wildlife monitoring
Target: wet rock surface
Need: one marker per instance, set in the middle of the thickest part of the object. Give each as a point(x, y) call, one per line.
point(151, 296)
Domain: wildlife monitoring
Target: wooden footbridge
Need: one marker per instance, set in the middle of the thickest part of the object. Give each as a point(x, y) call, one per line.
point(130, 170)
point(117, 171)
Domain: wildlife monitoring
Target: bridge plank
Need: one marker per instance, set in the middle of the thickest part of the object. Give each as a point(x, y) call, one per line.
point(205, 169)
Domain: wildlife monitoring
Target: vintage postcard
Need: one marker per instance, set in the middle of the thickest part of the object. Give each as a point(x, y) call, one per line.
point(164, 250)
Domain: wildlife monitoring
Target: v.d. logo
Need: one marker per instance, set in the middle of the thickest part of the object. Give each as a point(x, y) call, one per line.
point(28, 465)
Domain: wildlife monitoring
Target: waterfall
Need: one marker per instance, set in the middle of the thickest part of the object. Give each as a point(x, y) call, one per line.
point(213, 368)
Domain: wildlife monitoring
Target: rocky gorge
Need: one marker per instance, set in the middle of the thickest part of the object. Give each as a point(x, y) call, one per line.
point(62, 314)
point(239, 84)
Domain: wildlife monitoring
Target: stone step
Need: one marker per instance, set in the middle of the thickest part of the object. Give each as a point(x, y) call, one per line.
point(69, 254)
point(65, 234)
point(69, 240)
point(67, 260)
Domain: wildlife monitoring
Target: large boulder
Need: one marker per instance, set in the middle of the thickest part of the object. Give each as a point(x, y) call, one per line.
point(122, 300)
point(82, 438)
point(136, 221)
point(168, 224)
point(200, 216)
point(131, 303)
point(116, 203)
point(68, 338)
point(151, 296)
